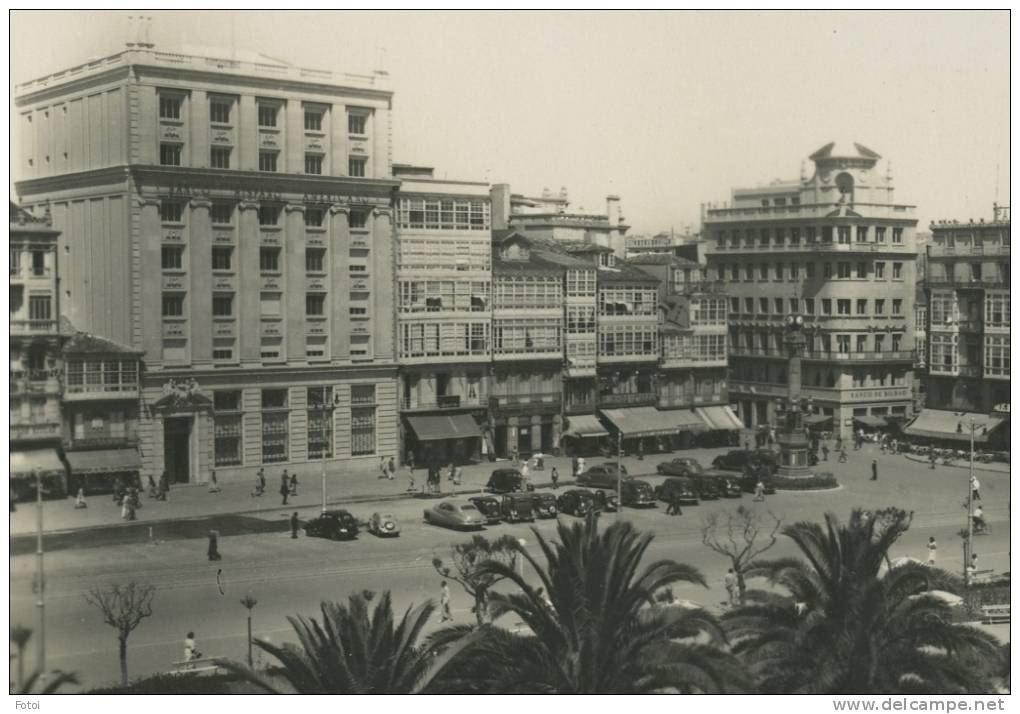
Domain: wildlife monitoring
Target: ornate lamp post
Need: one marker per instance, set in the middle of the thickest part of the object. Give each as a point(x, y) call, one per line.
point(792, 437)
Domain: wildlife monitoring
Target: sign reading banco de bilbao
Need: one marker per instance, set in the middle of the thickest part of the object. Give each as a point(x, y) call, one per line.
point(866, 394)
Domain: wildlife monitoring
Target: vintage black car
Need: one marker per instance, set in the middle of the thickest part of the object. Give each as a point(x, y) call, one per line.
point(544, 504)
point(576, 502)
point(637, 494)
point(489, 507)
point(738, 460)
point(601, 476)
point(681, 487)
point(516, 507)
point(707, 487)
point(335, 525)
point(506, 481)
point(606, 501)
point(680, 466)
point(729, 485)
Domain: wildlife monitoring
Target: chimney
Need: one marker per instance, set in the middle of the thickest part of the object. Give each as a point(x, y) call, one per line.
point(613, 210)
point(499, 194)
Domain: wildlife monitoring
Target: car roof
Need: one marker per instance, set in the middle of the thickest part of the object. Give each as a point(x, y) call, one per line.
point(337, 512)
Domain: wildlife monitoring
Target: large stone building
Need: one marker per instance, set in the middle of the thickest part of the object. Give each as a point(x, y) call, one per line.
point(36, 362)
point(232, 219)
point(838, 250)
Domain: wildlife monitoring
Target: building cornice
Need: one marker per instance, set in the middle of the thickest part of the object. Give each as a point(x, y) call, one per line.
point(79, 179)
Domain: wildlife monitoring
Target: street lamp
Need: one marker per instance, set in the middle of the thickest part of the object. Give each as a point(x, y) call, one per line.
point(619, 476)
point(40, 578)
point(969, 545)
point(249, 603)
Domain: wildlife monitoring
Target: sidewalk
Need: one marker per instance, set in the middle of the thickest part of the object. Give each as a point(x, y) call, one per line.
point(195, 501)
point(993, 466)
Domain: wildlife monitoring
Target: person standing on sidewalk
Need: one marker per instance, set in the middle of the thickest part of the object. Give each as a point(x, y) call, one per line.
point(382, 467)
point(294, 524)
point(555, 476)
point(975, 488)
point(525, 472)
point(391, 468)
point(731, 587)
point(444, 603)
point(214, 486)
point(759, 490)
point(825, 451)
point(874, 470)
point(284, 486)
point(293, 484)
point(932, 550)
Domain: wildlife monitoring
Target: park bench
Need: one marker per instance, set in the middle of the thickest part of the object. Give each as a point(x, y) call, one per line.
point(994, 614)
point(202, 665)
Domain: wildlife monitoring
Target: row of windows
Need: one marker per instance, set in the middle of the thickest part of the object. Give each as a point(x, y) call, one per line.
point(269, 214)
point(620, 301)
point(814, 376)
point(523, 336)
point(773, 341)
point(879, 307)
point(447, 215)
point(708, 311)
point(695, 348)
point(40, 264)
point(220, 158)
point(844, 270)
point(527, 292)
point(946, 353)
point(101, 375)
point(444, 340)
point(626, 340)
point(220, 109)
point(449, 254)
point(269, 303)
point(40, 307)
point(580, 319)
point(443, 296)
point(781, 235)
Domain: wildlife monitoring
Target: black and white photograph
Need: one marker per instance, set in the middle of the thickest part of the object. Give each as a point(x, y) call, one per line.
point(497, 352)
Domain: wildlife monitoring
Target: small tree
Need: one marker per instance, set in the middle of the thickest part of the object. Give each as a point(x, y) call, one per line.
point(735, 535)
point(465, 559)
point(123, 607)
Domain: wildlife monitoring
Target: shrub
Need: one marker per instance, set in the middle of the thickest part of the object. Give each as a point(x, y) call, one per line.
point(819, 481)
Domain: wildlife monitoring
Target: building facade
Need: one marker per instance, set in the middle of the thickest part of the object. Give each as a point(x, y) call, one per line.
point(836, 249)
point(257, 197)
point(36, 362)
point(967, 289)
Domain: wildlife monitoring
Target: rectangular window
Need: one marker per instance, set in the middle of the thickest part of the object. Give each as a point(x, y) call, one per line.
point(223, 350)
point(362, 431)
point(315, 304)
point(896, 340)
point(862, 343)
point(267, 160)
point(862, 270)
point(227, 431)
point(358, 219)
point(39, 307)
point(809, 306)
point(809, 271)
point(356, 166)
point(170, 154)
point(880, 306)
point(826, 270)
point(897, 235)
point(171, 212)
point(219, 157)
point(270, 349)
point(313, 164)
point(315, 260)
point(794, 271)
point(269, 260)
point(173, 305)
point(314, 217)
point(275, 422)
point(777, 305)
point(843, 270)
point(843, 234)
point(795, 236)
point(897, 271)
point(880, 271)
point(843, 307)
point(320, 422)
point(862, 306)
point(780, 270)
point(223, 305)
point(222, 257)
point(763, 271)
point(269, 215)
point(826, 306)
point(763, 306)
point(862, 234)
point(267, 115)
point(313, 121)
point(219, 111)
point(356, 123)
point(879, 343)
point(879, 234)
point(221, 214)
point(172, 257)
point(169, 107)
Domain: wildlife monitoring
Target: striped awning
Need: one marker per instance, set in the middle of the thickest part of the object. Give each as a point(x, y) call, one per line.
point(683, 419)
point(941, 424)
point(586, 426)
point(435, 428)
point(25, 463)
point(104, 461)
point(719, 418)
point(639, 421)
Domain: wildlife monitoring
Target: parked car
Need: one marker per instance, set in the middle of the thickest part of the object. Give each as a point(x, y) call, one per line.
point(517, 507)
point(680, 466)
point(576, 502)
point(606, 500)
point(383, 525)
point(455, 514)
point(707, 487)
point(729, 485)
point(739, 459)
point(506, 481)
point(335, 525)
point(601, 476)
point(682, 486)
point(544, 504)
point(637, 494)
point(488, 506)
point(749, 481)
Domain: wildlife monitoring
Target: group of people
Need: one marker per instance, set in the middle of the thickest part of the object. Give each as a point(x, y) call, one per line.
point(288, 484)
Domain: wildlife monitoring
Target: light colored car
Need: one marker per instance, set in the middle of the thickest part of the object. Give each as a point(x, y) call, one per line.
point(455, 514)
point(383, 525)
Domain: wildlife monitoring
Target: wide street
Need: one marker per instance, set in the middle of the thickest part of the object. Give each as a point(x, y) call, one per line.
point(292, 576)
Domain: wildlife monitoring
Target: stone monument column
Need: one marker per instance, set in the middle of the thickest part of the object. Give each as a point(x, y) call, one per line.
point(793, 439)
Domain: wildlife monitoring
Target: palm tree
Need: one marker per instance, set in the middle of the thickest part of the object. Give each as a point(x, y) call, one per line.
point(358, 650)
point(594, 625)
point(852, 624)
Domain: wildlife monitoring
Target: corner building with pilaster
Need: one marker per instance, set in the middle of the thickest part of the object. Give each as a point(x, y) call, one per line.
point(231, 218)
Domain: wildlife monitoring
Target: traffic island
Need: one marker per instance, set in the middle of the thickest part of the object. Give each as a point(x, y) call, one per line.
point(820, 481)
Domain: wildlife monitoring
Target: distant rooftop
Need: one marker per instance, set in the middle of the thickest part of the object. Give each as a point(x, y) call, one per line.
point(844, 150)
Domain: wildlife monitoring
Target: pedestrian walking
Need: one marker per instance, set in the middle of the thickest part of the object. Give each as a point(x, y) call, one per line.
point(293, 484)
point(825, 451)
point(294, 523)
point(931, 457)
point(759, 491)
point(214, 486)
point(674, 505)
point(874, 470)
point(191, 652)
point(640, 450)
point(130, 506)
point(262, 481)
point(555, 476)
point(284, 486)
point(164, 486)
point(842, 456)
point(975, 488)
point(573, 466)
point(410, 477)
point(214, 545)
point(525, 472)
point(731, 587)
point(382, 467)
point(79, 500)
point(124, 506)
point(449, 472)
point(391, 468)
point(932, 549)
point(457, 473)
point(153, 492)
point(580, 466)
point(444, 603)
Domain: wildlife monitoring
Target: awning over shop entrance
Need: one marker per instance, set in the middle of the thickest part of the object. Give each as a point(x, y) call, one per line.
point(435, 428)
point(683, 419)
point(104, 461)
point(24, 463)
point(719, 418)
point(818, 420)
point(585, 426)
point(639, 421)
point(940, 424)
point(871, 422)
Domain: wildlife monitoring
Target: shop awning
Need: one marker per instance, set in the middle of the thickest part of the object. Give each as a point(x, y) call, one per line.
point(586, 426)
point(871, 422)
point(940, 424)
point(24, 463)
point(683, 419)
point(818, 420)
point(639, 421)
point(104, 461)
point(719, 418)
point(435, 428)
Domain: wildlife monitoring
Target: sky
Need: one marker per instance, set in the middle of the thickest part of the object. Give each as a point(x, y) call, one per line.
point(668, 110)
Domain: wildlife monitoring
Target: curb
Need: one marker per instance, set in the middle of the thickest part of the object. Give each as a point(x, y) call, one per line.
point(978, 466)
